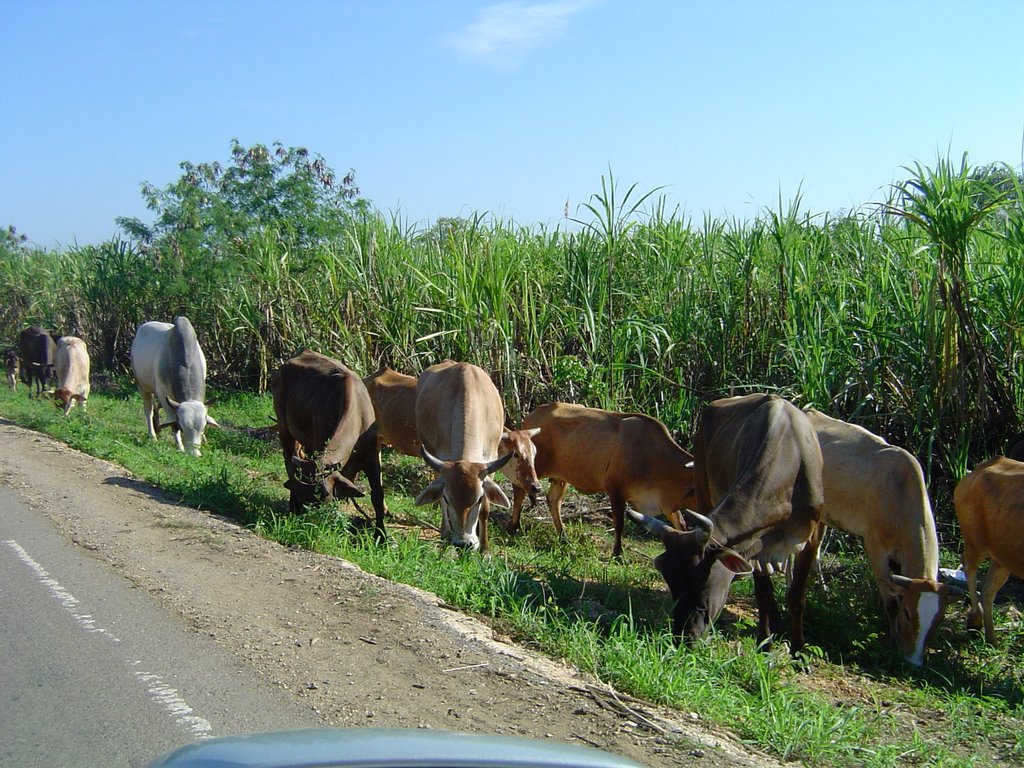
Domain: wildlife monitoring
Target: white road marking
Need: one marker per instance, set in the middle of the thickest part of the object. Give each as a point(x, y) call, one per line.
point(159, 691)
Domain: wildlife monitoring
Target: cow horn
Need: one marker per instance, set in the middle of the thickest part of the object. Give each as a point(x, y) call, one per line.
point(497, 464)
point(900, 581)
point(704, 526)
point(173, 403)
point(211, 422)
point(432, 461)
point(167, 424)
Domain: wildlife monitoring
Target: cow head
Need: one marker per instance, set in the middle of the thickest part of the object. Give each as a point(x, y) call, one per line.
point(13, 364)
point(462, 488)
point(915, 608)
point(311, 485)
point(65, 399)
point(697, 570)
point(190, 419)
point(521, 469)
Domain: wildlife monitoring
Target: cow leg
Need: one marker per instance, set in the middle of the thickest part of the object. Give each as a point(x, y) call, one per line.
point(994, 580)
point(556, 490)
point(768, 619)
point(518, 497)
point(618, 522)
point(972, 561)
point(288, 444)
point(796, 595)
point(149, 407)
point(481, 525)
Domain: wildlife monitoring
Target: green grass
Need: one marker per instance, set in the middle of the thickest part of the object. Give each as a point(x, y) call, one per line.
point(852, 702)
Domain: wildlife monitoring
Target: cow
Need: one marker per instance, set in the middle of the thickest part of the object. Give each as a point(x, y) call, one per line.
point(393, 395)
point(876, 491)
point(72, 374)
point(459, 422)
point(629, 456)
point(759, 495)
point(170, 371)
point(38, 358)
point(13, 365)
point(989, 504)
point(394, 403)
point(323, 406)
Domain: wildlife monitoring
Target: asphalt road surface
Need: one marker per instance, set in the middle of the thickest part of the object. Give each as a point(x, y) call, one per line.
point(94, 673)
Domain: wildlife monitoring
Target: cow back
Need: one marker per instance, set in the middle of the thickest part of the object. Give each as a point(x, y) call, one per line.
point(323, 405)
point(757, 466)
point(393, 396)
point(459, 413)
point(72, 365)
point(183, 365)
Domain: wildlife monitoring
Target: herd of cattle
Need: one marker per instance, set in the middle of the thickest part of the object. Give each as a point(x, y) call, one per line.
point(764, 481)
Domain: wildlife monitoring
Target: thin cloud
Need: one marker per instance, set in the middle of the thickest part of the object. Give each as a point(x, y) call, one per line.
point(503, 33)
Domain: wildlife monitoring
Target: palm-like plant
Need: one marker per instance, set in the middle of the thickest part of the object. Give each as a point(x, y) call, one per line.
point(950, 205)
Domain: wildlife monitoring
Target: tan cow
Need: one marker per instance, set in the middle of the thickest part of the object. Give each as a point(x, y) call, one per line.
point(394, 403)
point(989, 506)
point(876, 491)
point(459, 418)
point(72, 373)
point(629, 456)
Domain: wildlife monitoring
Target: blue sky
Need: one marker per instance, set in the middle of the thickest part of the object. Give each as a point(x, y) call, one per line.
point(445, 108)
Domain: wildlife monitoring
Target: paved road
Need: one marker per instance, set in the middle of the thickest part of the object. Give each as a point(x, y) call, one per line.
point(94, 673)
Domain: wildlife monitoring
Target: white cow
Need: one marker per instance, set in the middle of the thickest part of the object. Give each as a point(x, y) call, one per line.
point(170, 370)
point(72, 373)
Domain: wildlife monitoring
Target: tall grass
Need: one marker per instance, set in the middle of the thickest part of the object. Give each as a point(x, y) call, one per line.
point(905, 317)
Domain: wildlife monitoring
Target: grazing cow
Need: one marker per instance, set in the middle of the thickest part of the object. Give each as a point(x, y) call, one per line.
point(38, 358)
point(13, 364)
point(459, 418)
point(324, 407)
point(989, 505)
point(394, 403)
point(876, 491)
point(72, 373)
point(629, 456)
point(170, 370)
point(758, 483)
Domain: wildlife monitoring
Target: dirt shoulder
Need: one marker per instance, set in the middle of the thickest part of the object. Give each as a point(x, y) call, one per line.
point(358, 650)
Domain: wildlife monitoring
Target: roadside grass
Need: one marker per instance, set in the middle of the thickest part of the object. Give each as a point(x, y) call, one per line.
point(850, 701)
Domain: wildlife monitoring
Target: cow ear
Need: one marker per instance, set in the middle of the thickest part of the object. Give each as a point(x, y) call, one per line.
point(735, 562)
point(431, 494)
point(340, 487)
point(495, 495)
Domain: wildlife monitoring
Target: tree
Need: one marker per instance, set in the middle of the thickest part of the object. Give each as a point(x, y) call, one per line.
point(217, 208)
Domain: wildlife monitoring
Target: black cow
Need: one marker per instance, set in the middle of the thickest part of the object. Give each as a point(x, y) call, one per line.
point(324, 407)
point(38, 358)
point(757, 469)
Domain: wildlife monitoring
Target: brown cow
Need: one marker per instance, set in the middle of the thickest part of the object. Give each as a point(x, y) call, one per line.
point(989, 506)
point(393, 395)
point(758, 481)
point(394, 403)
point(13, 365)
point(459, 417)
point(322, 405)
point(72, 373)
point(629, 456)
point(876, 491)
